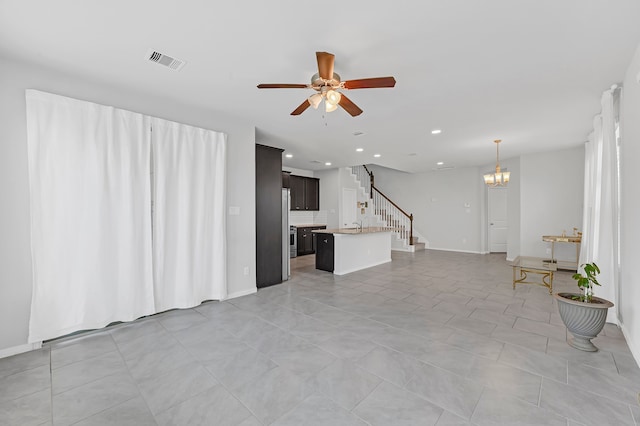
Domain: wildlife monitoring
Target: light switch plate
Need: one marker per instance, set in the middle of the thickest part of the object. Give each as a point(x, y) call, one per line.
point(234, 211)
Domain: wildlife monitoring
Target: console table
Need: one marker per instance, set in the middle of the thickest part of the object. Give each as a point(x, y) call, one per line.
point(573, 239)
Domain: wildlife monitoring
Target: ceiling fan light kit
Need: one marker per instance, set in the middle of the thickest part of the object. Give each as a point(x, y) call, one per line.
point(314, 100)
point(327, 85)
point(499, 178)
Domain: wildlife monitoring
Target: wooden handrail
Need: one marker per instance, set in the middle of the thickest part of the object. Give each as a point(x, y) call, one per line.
point(371, 181)
point(392, 203)
point(373, 188)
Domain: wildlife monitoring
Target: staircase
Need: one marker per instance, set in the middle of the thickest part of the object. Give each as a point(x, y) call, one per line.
point(388, 214)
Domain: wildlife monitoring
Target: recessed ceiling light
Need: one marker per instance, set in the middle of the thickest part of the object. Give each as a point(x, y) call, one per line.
point(440, 163)
point(358, 133)
point(359, 149)
point(376, 155)
point(436, 132)
point(289, 155)
point(327, 164)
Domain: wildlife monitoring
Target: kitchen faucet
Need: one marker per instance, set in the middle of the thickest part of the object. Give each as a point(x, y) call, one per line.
point(358, 226)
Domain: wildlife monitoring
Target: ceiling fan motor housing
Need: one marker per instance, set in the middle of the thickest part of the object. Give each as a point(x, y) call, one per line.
point(318, 83)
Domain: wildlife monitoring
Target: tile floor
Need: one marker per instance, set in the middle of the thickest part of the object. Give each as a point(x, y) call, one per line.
point(432, 338)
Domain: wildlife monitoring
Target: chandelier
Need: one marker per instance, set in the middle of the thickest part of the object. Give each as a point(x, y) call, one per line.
point(499, 178)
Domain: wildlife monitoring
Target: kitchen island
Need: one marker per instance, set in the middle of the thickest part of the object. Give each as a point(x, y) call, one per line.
point(346, 250)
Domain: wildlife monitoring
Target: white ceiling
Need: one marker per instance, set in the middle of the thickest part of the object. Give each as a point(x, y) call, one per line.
point(528, 72)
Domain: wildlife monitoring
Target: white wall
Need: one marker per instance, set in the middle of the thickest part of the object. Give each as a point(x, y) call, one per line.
point(545, 197)
point(298, 172)
point(15, 250)
point(329, 184)
point(629, 286)
point(347, 181)
point(513, 209)
point(551, 200)
point(437, 201)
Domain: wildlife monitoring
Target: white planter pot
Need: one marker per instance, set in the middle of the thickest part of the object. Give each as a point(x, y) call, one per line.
point(583, 320)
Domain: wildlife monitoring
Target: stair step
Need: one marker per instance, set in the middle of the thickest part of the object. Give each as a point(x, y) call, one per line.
point(418, 247)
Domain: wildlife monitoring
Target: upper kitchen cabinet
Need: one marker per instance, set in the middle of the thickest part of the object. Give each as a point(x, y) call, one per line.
point(305, 193)
point(286, 178)
point(296, 192)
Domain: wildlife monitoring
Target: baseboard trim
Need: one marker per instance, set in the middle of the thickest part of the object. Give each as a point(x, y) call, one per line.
point(241, 293)
point(455, 250)
point(15, 350)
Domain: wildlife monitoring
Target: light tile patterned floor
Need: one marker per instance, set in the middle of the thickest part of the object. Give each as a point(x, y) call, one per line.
point(433, 338)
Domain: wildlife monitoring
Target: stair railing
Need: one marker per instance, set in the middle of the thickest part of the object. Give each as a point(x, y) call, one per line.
point(392, 215)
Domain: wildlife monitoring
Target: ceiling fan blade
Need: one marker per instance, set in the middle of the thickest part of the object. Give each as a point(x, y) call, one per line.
point(282, 86)
point(370, 83)
point(349, 106)
point(325, 65)
point(303, 106)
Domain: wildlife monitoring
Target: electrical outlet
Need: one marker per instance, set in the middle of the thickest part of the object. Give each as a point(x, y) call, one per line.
point(548, 251)
point(246, 270)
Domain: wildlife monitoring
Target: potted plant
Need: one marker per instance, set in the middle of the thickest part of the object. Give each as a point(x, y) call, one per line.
point(583, 313)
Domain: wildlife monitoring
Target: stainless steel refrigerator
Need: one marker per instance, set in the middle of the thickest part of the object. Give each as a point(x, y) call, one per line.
point(286, 245)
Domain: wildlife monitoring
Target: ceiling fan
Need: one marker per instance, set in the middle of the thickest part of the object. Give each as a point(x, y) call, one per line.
point(326, 84)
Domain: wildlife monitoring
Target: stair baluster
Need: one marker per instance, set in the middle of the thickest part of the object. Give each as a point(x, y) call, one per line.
point(389, 212)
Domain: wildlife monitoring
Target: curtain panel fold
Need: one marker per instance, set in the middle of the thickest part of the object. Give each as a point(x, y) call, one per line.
point(90, 221)
point(189, 228)
point(127, 215)
point(601, 211)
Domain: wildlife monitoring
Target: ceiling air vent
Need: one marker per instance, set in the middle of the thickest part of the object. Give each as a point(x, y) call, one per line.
point(162, 59)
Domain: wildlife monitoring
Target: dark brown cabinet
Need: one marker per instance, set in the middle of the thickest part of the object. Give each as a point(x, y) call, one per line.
point(312, 194)
point(286, 178)
point(305, 193)
point(297, 192)
point(324, 252)
point(268, 216)
point(306, 239)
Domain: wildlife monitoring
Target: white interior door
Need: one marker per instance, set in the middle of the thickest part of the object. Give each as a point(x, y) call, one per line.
point(349, 207)
point(498, 225)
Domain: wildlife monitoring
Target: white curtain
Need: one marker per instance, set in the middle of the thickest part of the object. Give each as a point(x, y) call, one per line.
point(189, 231)
point(89, 177)
point(600, 217)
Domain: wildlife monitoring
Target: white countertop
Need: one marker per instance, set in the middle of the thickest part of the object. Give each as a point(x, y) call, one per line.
point(353, 231)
